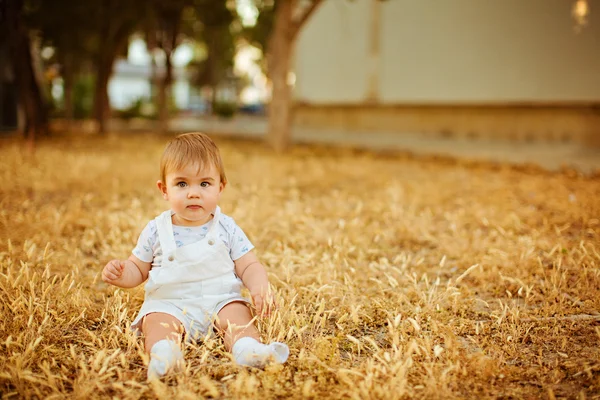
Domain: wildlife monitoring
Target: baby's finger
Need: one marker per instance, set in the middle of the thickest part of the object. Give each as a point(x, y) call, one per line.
point(108, 276)
point(258, 304)
point(116, 268)
point(111, 272)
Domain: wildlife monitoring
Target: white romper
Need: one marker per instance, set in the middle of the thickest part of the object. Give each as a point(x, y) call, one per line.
point(194, 282)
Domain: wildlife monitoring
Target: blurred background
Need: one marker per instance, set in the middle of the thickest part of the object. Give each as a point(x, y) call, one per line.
point(508, 79)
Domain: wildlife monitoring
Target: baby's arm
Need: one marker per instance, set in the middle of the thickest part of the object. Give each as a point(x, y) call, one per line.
point(253, 275)
point(126, 273)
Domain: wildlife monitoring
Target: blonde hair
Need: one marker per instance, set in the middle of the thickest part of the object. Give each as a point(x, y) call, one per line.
point(194, 147)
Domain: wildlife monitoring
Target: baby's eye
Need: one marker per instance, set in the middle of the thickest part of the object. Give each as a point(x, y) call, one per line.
point(205, 184)
point(181, 184)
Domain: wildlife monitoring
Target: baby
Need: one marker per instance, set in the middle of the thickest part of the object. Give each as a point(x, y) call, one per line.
point(195, 261)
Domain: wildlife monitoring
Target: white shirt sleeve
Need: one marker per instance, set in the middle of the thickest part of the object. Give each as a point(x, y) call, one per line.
point(145, 245)
point(237, 241)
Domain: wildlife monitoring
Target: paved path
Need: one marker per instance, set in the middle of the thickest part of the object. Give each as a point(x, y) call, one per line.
point(551, 156)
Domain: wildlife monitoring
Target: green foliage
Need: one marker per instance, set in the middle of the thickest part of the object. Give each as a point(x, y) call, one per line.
point(162, 25)
point(216, 20)
point(134, 110)
point(258, 35)
point(83, 97)
point(88, 36)
point(143, 107)
point(65, 25)
point(224, 109)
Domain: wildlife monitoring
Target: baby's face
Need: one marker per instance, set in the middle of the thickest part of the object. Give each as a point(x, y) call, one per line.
point(192, 193)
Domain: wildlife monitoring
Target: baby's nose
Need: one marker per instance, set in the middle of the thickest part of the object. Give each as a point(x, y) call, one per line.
point(194, 192)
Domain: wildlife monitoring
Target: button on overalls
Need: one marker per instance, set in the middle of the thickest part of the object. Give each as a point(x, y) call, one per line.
point(194, 282)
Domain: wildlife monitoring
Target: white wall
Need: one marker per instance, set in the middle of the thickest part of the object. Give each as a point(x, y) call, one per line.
point(330, 53)
point(123, 91)
point(181, 93)
point(451, 51)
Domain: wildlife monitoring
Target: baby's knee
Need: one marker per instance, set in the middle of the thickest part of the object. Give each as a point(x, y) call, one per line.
point(162, 321)
point(158, 326)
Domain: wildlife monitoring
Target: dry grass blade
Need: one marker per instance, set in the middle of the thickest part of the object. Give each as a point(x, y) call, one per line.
point(396, 277)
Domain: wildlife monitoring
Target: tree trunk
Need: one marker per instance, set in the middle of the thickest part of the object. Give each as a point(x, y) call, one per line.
point(163, 113)
point(212, 62)
point(280, 52)
point(30, 96)
point(68, 75)
point(101, 101)
point(117, 37)
point(164, 94)
point(28, 88)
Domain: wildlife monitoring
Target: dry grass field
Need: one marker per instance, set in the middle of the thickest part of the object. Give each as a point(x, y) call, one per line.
point(396, 276)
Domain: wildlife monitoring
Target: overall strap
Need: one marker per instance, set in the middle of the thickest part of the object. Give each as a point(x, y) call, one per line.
point(213, 230)
point(165, 233)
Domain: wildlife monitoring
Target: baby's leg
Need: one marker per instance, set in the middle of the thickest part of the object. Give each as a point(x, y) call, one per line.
point(158, 326)
point(243, 340)
point(162, 342)
point(235, 321)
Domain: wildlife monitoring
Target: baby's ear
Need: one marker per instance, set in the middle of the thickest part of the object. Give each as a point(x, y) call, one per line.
point(163, 189)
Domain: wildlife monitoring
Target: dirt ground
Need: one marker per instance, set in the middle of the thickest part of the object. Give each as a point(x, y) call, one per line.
point(397, 276)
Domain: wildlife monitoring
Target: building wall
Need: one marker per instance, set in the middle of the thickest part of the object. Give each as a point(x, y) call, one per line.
point(330, 53)
point(488, 51)
point(124, 90)
point(514, 123)
point(509, 69)
point(459, 51)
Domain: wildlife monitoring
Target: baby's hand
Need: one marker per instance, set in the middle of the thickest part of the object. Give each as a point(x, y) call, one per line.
point(113, 271)
point(264, 302)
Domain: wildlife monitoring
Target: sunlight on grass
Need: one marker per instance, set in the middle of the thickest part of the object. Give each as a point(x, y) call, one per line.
point(396, 277)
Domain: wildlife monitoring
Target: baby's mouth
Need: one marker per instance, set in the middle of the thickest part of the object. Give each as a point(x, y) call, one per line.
point(194, 207)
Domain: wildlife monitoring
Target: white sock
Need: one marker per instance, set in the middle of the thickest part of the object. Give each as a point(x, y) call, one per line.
point(251, 353)
point(165, 356)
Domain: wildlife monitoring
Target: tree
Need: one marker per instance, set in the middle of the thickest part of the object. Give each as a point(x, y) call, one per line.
point(31, 101)
point(83, 40)
point(163, 32)
point(215, 18)
point(62, 24)
point(280, 49)
point(114, 21)
point(276, 32)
